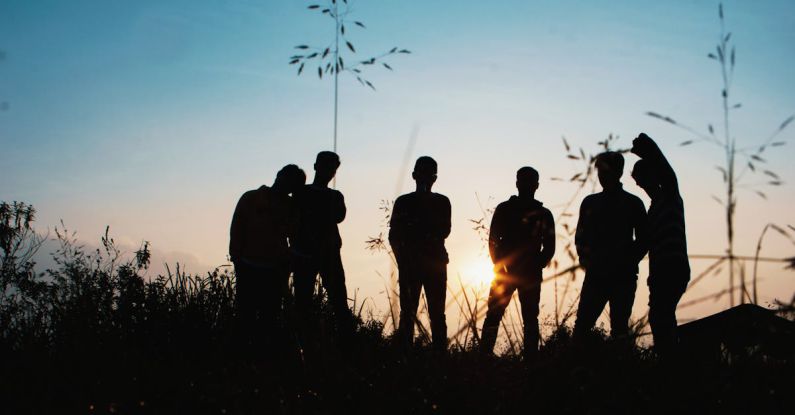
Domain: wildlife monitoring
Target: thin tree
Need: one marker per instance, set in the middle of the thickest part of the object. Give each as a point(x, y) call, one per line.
point(740, 161)
point(329, 59)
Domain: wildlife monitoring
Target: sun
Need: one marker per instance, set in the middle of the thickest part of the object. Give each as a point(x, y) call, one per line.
point(478, 272)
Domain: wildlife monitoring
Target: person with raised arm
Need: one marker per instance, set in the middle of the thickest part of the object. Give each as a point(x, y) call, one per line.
point(669, 266)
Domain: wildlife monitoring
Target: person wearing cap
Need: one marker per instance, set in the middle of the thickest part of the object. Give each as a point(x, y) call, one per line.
point(521, 244)
point(419, 225)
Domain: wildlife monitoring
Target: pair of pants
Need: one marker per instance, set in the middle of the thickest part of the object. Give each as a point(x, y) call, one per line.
point(259, 291)
point(663, 299)
point(502, 288)
point(332, 275)
point(413, 276)
point(597, 291)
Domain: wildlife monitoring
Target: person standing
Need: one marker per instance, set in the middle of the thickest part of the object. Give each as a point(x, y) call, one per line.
point(317, 244)
point(419, 225)
point(258, 248)
point(669, 266)
point(521, 244)
point(611, 240)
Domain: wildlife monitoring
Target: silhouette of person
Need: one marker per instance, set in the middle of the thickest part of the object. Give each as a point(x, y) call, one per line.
point(318, 243)
point(521, 244)
point(258, 247)
point(611, 241)
point(669, 267)
point(419, 225)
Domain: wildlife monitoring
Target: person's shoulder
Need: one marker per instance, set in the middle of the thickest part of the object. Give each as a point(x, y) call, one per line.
point(249, 194)
point(441, 198)
point(634, 199)
point(592, 197)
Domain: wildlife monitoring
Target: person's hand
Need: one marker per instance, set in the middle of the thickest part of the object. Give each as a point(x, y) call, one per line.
point(643, 145)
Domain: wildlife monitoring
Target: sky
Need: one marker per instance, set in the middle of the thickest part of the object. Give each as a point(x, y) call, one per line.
point(153, 117)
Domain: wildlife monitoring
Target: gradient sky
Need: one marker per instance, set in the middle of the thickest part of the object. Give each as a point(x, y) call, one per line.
point(154, 116)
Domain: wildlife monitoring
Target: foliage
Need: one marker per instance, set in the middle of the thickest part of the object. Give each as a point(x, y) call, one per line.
point(741, 162)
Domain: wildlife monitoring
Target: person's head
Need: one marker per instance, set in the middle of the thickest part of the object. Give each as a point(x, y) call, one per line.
point(527, 180)
point(610, 167)
point(326, 165)
point(289, 179)
point(424, 172)
point(644, 176)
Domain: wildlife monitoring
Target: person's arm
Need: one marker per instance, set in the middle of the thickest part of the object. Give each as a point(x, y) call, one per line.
point(582, 238)
point(496, 233)
point(648, 150)
point(397, 227)
point(446, 213)
point(236, 229)
point(641, 244)
point(338, 210)
point(547, 238)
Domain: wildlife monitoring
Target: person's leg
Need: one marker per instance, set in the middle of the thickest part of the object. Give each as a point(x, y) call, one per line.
point(304, 276)
point(622, 297)
point(409, 286)
point(663, 299)
point(529, 297)
point(332, 274)
point(245, 300)
point(500, 294)
point(593, 298)
point(435, 282)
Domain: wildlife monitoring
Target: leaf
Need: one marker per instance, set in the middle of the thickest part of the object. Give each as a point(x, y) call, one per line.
point(786, 122)
point(711, 130)
point(310, 56)
point(686, 143)
point(404, 51)
point(302, 47)
point(761, 194)
point(387, 66)
point(326, 11)
point(791, 227)
point(728, 36)
point(393, 50)
point(582, 153)
point(775, 183)
point(720, 10)
point(712, 56)
point(723, 172)
point(342, 66)
point(300, 69)
point(294, 61)
point(296, 56)
point(771, 174)
point(370, 85)
point(319, 72)
point(350, 46)
point(751, 166)
point(717, 199)
point(720, 53)
point(573, 157)
point(777, 144)
point(314, 6)
point(566, 144)
point(359, 78)
point(757, 158)
point(555, 179)
point(737, 105)
point(732, 57)
point(342, 29)
point(360, 24)
point(575, 177)
point(780, 230)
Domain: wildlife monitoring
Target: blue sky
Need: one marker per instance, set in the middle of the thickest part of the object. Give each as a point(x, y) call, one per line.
point(154, 116)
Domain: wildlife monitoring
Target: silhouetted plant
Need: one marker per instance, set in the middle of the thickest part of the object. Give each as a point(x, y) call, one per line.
point(739, 161)
point(329, 59)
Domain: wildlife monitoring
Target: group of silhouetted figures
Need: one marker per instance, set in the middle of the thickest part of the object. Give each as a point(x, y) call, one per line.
point(291, 228)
